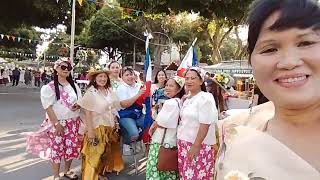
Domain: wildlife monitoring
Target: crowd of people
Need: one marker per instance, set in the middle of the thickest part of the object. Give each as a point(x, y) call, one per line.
point(25, 76)
point(274, 140)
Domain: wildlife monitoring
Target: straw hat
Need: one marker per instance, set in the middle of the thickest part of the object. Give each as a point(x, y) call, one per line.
point(96, 70)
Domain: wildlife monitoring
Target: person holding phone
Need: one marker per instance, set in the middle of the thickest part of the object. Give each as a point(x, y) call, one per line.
point(59, 135)
point(99, 102)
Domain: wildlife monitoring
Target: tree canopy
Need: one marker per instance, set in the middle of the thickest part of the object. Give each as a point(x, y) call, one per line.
point(41, 13)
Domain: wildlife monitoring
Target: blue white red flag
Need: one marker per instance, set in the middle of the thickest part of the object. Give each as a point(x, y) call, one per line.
point(190, 59)
point(148, 79)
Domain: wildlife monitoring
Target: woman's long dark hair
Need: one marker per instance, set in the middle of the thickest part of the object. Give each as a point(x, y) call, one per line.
point(56, 83)
point(156, 77)
point(217, 91)
point(115, 62)
point(203, 85)
point(181, 93)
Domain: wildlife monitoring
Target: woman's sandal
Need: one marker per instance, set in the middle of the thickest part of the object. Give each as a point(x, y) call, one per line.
point(102, 177)
point(56, 178)
point(71, 175)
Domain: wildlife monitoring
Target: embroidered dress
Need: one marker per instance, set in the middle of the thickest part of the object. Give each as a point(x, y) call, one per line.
point(106, 155)
point(168, 117)
point(44, 142)
point(200, 109)
point(247, 151)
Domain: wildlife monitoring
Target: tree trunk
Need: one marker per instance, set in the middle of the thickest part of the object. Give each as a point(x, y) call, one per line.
point(157, 55)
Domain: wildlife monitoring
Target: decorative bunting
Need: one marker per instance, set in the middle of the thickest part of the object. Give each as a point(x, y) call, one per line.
point(80, 2)
point(19, 39)
point(2, 36)
point(13, 38)
point(8, 37)
point(29, 41)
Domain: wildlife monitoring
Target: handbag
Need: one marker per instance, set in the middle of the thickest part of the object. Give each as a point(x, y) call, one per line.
point(168, 157)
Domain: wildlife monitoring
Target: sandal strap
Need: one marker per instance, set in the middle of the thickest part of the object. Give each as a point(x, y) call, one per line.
point(71, 175)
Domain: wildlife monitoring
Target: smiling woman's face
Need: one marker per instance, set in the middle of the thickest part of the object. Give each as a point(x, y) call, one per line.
point(286, 65)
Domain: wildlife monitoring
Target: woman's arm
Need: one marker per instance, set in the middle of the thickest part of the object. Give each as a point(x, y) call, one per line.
point(195, 148)
point(89, 124)
point(52, 116)
point(59, 129)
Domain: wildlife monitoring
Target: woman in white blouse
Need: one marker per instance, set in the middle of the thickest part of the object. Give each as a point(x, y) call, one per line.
point(196, 131)
point(59, 135)
point(167, 119)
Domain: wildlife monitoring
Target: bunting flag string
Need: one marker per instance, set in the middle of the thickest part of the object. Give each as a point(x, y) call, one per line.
point(135, 12)
point(21, 39)
point(28, 55)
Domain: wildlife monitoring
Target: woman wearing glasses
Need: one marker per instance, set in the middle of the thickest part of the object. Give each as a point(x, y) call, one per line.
point(283, 46)
point(58, 139)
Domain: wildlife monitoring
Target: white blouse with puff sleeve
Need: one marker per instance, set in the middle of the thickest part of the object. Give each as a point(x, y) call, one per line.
point(48, 98)
point(168, 118)
point(200, 109)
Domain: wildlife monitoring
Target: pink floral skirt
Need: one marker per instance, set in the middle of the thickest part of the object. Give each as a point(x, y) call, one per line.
point(200, 168)
point(45, 144)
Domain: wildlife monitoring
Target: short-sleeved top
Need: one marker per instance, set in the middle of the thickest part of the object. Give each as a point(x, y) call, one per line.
point(48, 98)
point(199, 109)
point(101, 105)
point(124, 91)
point(168, 118)
point(115, 84)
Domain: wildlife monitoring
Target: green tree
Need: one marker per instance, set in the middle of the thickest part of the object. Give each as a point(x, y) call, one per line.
point(106, 30)
point(221, 16)
point(42, 13)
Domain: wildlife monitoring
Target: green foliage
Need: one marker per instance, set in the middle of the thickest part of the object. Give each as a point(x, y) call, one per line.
point(42, 13)
point(105, 30)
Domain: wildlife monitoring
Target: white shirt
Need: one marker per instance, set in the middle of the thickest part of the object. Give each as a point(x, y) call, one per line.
point(168, 117)
point(48, 98)
point(199, 109)
point(124, 91)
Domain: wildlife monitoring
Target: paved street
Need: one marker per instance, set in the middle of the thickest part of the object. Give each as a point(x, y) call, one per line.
point(20, 111)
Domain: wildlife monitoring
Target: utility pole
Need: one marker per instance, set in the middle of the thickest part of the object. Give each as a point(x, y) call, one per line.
point(134, 55)
point(73, 24)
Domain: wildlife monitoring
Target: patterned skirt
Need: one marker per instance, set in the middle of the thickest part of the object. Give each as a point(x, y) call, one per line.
point(104, 157)
point(201, 168)
point(152, 172)
point(45, 144)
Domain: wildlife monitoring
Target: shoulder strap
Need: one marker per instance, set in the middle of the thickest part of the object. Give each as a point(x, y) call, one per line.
point(164, 135)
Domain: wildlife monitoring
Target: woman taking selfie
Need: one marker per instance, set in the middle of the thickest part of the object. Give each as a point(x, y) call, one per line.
point(284, 45)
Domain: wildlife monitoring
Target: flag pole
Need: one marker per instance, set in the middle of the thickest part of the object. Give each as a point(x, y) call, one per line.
point(194, 41)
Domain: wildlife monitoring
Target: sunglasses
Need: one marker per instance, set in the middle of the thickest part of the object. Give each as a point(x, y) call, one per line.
point(63, 67)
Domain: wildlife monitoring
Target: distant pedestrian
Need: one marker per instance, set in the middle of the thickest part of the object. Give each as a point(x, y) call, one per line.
point(10, 75)
point(21, 78)
point(5, 76)
point(27, 77)
point(15, 77)
point(36, 75)
point(44, 77)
